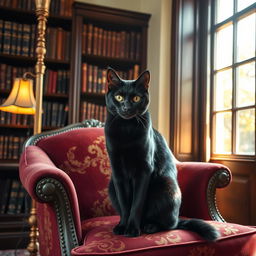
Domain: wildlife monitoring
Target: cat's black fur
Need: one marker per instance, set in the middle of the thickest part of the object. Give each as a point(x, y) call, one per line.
point(143, 186)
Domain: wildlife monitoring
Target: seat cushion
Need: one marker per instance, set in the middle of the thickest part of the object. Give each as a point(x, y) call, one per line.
point(99, 240)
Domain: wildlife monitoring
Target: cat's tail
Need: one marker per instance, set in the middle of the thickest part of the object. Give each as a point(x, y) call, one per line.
point(205, 230)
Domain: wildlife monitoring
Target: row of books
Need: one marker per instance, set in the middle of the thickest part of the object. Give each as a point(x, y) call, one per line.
point(58, 43)
point(57, 7)
point(17, 38)
point(11, 147)
point(94, 77)
point(8, 118)
point(56, 81)
point(90, 110)
point(55, 114)
point(8, 73)
point(61, 7)
point(13, 197)
point(19, 4)
point(111, 43)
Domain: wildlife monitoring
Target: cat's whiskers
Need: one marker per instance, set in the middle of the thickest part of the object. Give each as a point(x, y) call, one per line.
point(138, 117)
point(112, 121)
point(144, 119)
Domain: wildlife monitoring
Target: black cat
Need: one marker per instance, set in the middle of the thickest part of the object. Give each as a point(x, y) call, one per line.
point(143, 186)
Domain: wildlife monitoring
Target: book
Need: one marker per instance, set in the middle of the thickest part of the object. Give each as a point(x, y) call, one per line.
point(95, 40)
point(7, 37)
point(59, 42)
point(25, 39)
point(13, 47)
point(1, 34)
point(5, 195)
point(15, 185)
point(20, 199)
point(84, 37)
point(32, 41)
point(89, 39)
point(84, 78)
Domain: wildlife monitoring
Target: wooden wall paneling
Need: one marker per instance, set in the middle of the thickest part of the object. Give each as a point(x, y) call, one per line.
point(184, 83)
point(75, 71)
point(237, 202)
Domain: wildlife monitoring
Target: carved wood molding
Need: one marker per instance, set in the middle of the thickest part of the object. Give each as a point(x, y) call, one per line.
point(219, 180)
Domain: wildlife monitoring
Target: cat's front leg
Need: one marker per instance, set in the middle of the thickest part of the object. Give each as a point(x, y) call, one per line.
point(140, 189)
point(121, 200)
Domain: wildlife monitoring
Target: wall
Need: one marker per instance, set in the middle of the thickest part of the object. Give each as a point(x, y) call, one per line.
point(159, 44)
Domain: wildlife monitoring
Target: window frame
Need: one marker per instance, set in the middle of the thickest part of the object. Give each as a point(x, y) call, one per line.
point(212, 71)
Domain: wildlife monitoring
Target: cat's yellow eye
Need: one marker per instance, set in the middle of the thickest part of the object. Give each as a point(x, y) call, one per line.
point(136, 98)
point(119, 98)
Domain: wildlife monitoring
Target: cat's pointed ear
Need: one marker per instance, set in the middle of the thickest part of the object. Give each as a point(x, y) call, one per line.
point(144, 79)
point(112, 78)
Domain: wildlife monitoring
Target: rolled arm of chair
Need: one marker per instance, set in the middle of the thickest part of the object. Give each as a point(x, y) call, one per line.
point(48, 184)
point(198, 182)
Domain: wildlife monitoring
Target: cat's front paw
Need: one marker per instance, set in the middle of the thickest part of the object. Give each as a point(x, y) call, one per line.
point(119, 229)
point(132, 231)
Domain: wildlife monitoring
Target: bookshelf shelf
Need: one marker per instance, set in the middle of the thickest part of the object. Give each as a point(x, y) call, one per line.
point(53, 63)
point(17, 59)
point(19, 14)
point(56, 96)
point(104, 61)
point(16, 126)
point(10, 166)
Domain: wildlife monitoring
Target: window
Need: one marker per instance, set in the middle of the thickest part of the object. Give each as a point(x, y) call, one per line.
point(233, 33)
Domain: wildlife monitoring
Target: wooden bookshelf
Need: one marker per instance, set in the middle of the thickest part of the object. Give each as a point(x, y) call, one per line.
point(103, 37)
point(65, 100)
point(17, 55)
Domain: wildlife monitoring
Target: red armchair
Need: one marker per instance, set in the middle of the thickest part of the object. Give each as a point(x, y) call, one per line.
point(67, 172)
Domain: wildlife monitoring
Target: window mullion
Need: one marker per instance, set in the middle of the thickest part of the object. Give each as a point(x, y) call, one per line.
point(234, 91)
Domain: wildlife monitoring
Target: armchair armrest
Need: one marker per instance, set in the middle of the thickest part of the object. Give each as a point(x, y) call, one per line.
point(50, 185)
point(198, 182)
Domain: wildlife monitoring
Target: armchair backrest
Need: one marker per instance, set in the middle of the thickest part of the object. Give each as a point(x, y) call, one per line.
point(79, 150)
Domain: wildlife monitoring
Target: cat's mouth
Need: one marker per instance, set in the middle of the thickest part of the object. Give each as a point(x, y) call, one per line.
point(127, 115)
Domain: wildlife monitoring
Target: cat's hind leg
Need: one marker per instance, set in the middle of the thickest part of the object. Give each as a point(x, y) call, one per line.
point(162, 207)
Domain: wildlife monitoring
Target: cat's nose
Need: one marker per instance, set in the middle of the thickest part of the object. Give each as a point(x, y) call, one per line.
point(125, 109)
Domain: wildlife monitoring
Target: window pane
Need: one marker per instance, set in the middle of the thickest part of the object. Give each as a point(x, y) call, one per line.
point(241, 4)
point(224, 10)
point(223, 90)
point(246, 37)
point(245, 132)
point(222, 136)
point(223, 47)
point(246, 85)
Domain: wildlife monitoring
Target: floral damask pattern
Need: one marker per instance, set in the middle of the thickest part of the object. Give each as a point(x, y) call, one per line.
point(107, 243)
point(227, 229)
point(102, 208)
point(97, 157)
point(165, 238)
point(92, 224)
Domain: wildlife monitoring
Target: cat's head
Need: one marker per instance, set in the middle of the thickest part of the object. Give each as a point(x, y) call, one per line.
point(127, 98)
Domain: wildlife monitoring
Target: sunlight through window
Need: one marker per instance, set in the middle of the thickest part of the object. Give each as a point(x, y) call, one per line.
point(233, 78)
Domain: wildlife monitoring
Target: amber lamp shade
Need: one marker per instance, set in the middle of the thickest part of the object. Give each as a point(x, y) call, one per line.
point(21, 99)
